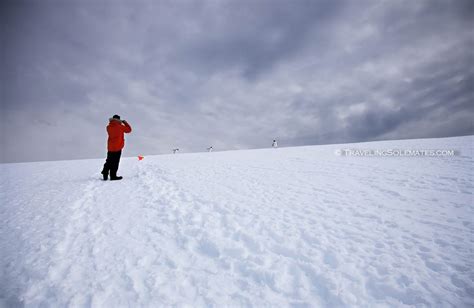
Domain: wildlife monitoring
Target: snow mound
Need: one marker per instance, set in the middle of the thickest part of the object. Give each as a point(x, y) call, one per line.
point(284, 227)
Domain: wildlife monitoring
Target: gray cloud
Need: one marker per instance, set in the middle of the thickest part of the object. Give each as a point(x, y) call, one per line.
point(234, 74)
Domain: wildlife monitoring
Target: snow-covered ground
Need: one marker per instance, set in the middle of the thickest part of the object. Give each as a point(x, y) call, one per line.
point(290, 226)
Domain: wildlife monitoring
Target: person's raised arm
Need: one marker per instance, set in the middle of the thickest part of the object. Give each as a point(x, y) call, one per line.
point(127, 127)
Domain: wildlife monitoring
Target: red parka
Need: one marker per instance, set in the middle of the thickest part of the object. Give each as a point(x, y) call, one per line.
point(116, 129)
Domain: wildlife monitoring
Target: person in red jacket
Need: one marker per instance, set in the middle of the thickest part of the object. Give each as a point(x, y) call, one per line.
point(115, 143)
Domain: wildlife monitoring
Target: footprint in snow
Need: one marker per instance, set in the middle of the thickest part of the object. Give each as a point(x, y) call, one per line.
point(330, 259)
point(208, 249)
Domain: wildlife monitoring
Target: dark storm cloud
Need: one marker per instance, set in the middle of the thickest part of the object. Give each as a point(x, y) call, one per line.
point(237, 37)
point(233, 74)
point(441, 88)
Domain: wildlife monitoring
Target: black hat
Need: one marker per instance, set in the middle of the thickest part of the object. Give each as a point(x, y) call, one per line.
point(116, 117)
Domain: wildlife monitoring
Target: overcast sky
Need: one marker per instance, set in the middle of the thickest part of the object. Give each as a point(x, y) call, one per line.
point(231, 74)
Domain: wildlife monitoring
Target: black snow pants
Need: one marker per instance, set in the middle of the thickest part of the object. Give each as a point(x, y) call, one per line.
point(112, 163)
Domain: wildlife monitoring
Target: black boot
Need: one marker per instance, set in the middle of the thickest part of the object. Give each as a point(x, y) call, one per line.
point(105, 175)
point(113, 176)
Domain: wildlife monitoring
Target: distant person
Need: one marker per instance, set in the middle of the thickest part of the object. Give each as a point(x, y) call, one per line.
point(274, 144)
point(115, 143)
point(209, 149)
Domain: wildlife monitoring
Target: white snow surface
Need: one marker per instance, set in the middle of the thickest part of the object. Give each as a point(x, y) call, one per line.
point(294, 226)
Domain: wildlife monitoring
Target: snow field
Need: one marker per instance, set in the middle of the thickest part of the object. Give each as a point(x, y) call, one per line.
point(283, 227)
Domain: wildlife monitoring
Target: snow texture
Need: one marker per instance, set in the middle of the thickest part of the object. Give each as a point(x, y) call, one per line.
point(275, 227)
